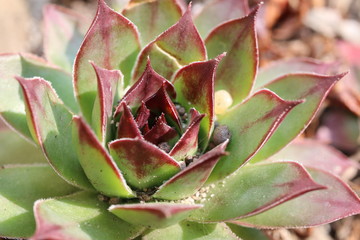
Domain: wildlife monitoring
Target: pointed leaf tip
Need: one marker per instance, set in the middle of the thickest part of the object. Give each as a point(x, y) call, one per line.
point(108, 82)
point(192, 178)
point(189, 81)
point(153, 215)
point(50, 124)
point(271, 111)
point(179, 45)
point(110, 32)
point(313, 88)
point(99, 167)
point(236, 72)
point(255, 189)
point(144, 165)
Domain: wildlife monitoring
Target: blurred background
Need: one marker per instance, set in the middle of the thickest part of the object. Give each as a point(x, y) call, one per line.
point(327, 30)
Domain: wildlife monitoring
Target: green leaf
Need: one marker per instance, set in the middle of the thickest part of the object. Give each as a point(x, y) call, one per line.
point(310, 87)
point(99, 167)
point(64, 31)
point(180, 45)
point(153, 17)
point(80, 216)
point(237, 70)
point(247, 233)
point(316, 154)
point(50, 124)
point(112, 42)
point(153, 215)
point(191, 179)
point(20, 187)
point(192, 231)
point(143, 164)
point(109, 84)
point(12, 107)
point(250, 124)
point(295, 65)
point(254, 189)
point(191, 80)
point(215, 12)
point(312, 209)
point(15, 149)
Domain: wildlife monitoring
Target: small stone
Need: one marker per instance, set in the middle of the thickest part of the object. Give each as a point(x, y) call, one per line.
point(103, 198)
point(114, 200)
point(221, 134)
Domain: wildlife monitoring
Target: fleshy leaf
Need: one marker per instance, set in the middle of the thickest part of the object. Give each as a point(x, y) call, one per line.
point(80, 216)
point(215, 12)
point(50, 125)
point(153, 17)
point(315, 154)
point(253, 190)
point(142, 116)
point(310, 87)
point(153, 215)
point(160, 102)
point(108, 82)
point(295, 65)
point(247, 233)
point(18, 194)
point(112, 42)
point(160, 132)
point(194, 85)
point(142, 163)
point(188, 143)
point(191, 179)
point(250, 124)
point(63, 34)
point(192, 230)
point(146, 86)
point(12, 107)
point(178, 46)
point(99, 167)
point(237, 70)
point(128, 127)
point(11, 143)
point(338, 200)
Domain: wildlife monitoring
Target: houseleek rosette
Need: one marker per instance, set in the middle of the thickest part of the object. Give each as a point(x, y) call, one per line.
point(157, 138)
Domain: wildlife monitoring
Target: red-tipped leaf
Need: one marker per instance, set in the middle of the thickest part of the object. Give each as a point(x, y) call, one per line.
point(112, 42)
point(255, 189)
point(237, 70)
point(160, 132)
point(250, 124)
point(143, 164)
point(99, 167)
point(312, 209)
point(194, 85)
point(147, 85)
point(188, 143)
point(192, 178)
point(310, 87)
point(128, 127)
point(160, 102)
point(153, 215)
point(108, 82)
point(179, 45)
point(50, 125)
point(153, 17)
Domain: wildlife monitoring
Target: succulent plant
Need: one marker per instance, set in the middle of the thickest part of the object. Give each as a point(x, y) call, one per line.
point(168, 136)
